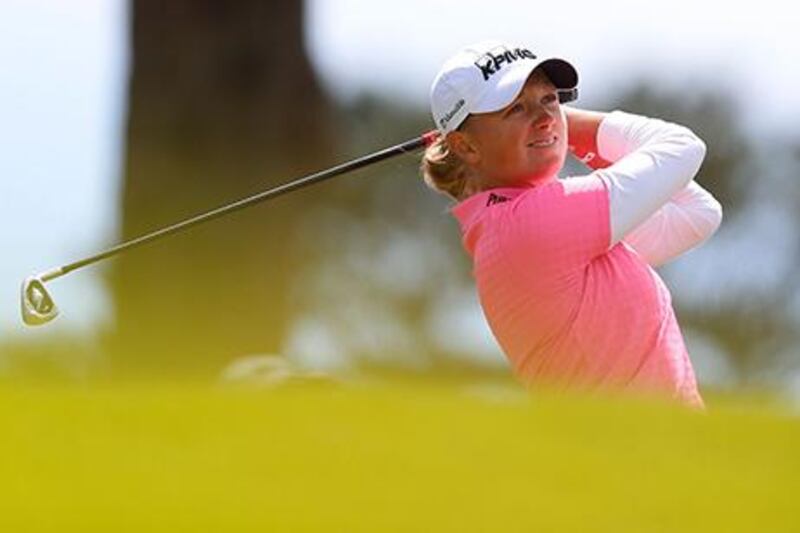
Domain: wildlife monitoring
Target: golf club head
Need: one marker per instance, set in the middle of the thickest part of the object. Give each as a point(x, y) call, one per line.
point(37, 306)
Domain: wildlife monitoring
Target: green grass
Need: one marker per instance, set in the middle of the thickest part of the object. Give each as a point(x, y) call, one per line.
point(391, 458)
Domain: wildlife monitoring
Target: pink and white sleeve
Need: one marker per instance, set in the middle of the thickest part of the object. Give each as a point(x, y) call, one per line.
point(653, 203)
point(690, 217)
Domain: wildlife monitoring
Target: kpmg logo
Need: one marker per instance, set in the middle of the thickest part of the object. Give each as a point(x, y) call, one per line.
point(450, 114)
point(491, 63)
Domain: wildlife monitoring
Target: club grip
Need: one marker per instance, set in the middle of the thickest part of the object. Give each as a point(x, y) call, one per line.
point(430, 137)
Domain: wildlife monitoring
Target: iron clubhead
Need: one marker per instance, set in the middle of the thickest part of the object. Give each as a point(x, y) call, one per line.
point(37, 306)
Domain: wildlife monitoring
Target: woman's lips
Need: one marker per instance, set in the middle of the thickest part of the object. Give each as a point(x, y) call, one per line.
point(543, 143)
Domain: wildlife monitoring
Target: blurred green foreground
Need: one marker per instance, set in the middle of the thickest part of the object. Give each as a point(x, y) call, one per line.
point(404, 457)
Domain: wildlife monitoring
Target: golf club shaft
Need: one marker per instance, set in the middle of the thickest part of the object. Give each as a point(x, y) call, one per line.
point(402, 148)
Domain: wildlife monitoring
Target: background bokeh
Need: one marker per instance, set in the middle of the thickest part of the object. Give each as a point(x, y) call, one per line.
point(320, 362)
point(118, 117)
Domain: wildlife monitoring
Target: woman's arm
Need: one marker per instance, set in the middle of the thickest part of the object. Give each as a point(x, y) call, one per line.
point(687, 219)
point(643, 162)
point(690, 217)
point(582, 126)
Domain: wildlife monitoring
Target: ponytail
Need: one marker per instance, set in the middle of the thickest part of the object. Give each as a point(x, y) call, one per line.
point(445, 172)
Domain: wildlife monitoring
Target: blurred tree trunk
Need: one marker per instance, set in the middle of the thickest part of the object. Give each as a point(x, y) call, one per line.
point(223, 103)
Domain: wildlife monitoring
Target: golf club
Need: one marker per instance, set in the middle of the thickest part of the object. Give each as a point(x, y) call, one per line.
point(38, 306)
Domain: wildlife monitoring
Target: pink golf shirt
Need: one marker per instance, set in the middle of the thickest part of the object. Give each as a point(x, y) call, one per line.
point(570, 303)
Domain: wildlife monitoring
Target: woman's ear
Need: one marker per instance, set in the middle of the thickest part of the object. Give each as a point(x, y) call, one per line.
point(463, 146)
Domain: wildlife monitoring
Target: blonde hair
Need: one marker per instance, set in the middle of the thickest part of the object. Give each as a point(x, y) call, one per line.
point(445, 172)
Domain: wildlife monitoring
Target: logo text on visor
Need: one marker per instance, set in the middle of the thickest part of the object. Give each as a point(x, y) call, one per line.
point(490, 63)
point(449, 115)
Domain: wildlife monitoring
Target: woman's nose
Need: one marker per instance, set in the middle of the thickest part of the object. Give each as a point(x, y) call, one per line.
point(543, 118)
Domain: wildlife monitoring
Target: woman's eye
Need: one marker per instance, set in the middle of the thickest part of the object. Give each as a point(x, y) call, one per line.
point(550, 99)
point(516, 108)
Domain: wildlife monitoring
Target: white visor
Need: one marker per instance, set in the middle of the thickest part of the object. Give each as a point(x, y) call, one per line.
point(488, 76)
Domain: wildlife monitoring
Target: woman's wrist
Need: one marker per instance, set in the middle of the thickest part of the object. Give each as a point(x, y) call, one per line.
point(582, 127)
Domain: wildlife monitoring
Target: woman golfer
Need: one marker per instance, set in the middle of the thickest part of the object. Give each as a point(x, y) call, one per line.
point(564, 268)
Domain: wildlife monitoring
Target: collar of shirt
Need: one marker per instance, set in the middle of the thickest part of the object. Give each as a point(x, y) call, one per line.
point(469, 212)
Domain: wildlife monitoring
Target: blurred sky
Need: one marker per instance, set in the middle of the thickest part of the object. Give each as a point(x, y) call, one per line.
point(63, 77)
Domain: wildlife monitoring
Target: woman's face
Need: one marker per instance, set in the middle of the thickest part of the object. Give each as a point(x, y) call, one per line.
point(524, 143)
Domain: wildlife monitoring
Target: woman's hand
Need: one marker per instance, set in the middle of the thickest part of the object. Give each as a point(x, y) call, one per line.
point(582, 129)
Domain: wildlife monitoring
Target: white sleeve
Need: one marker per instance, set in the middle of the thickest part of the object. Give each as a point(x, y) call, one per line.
point(690, 217)
point(652, 161)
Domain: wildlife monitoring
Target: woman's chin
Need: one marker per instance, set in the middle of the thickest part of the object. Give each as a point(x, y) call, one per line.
point(544, 172)
point(545, 159)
